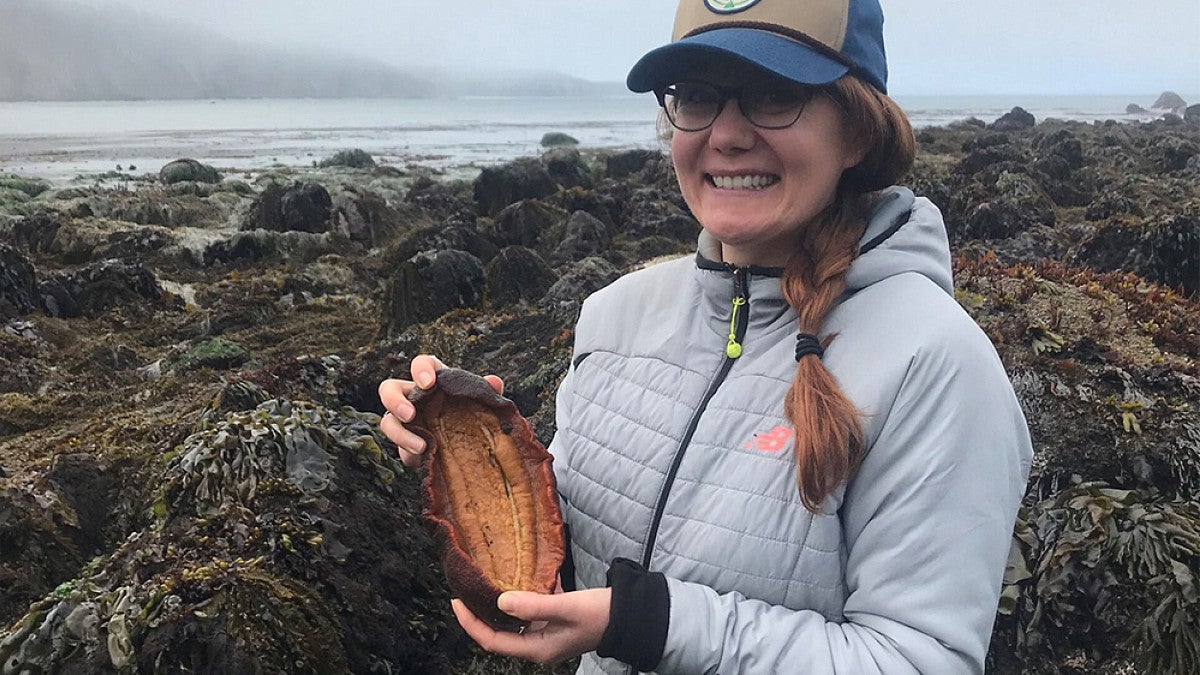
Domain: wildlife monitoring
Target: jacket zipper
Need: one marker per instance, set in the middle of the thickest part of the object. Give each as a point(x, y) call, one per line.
point(738, 321)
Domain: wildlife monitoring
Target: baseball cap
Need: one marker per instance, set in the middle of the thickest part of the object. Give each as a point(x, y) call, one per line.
point(807, 41)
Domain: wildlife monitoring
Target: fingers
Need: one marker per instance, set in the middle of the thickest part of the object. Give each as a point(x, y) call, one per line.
point(424, 370)
point(409, 446)
point(521, 645)
point(394, 393)
point(496, 383)
point(561, 626)
point(529, 606)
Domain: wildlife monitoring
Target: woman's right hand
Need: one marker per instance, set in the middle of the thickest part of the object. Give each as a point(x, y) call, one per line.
point(393, 393)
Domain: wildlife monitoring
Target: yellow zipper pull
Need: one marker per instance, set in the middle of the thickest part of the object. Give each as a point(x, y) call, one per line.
point(732, 348)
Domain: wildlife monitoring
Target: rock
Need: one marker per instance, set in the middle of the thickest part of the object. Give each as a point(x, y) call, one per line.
point(242, 248)
point(622, 164)
point(1169, 100)
point(583, 236)
point(580, 280)
point(86, 486)
point(1166, 252)
point(679, 227)
point(554, 138)
point(56, 301)
point(188, 170)
point(989, 150)
point(497, 187)
point(354, 159)
point(1061, 143)
point(567, 167)
point(453, 234)
point(35, 233)
point(30, 187)
point(365, 217)
point(524, 223)
point(18, 284)
point(291, 575)
point(1192, 113)
point(1134, 109)
point(1112, 203)
point(37, 557)
point(429, 285)
point(216, 353)
point(441, 199)
point(1171, 153)
point(517, 274)
point(97, 288)
point(299, 206)
point(1014, 204)
point(109, 358)
point(162, 208)
point(1014, 120)
point(1171, 119)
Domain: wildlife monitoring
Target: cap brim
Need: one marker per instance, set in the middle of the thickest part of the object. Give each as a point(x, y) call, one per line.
point(787, 58)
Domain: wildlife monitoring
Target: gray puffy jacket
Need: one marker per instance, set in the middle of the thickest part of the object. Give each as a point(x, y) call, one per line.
point(673, 454)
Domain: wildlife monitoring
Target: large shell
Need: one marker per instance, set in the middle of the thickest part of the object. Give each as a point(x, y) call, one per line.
point(489, 494)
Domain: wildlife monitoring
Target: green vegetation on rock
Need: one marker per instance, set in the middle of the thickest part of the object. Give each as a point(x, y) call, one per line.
point(217, 353)
point(354, 159)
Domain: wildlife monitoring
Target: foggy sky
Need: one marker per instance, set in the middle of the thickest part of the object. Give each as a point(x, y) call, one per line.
point(934, 46)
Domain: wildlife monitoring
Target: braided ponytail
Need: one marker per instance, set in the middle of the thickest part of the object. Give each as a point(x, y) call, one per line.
point(828, 436)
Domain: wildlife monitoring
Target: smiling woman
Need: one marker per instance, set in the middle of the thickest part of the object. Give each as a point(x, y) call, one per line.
point(793, 452)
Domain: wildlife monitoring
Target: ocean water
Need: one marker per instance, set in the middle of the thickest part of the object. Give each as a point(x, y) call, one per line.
point(60, 141)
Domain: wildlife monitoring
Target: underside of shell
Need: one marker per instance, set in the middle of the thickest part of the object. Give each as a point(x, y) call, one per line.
point(489, 494)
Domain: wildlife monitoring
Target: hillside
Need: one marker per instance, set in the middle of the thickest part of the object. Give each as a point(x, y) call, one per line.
point(52, 50)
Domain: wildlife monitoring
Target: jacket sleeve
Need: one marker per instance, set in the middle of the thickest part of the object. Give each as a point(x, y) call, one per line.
point(560, 446)
point(927, 522)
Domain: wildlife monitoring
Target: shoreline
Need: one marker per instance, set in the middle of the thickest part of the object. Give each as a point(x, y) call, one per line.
point(61, 141)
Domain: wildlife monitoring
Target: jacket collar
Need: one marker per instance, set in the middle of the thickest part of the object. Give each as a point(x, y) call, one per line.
point(903, 234)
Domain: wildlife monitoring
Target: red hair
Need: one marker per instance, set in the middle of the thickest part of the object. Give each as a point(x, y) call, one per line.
point(828, 434)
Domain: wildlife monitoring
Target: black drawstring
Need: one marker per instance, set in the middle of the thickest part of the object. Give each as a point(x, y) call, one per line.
point(808, 344)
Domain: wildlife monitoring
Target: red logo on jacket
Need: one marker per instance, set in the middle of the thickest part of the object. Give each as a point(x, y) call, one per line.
point(771, 441)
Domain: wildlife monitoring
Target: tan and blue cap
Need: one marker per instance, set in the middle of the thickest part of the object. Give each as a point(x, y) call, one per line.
point(807, 41)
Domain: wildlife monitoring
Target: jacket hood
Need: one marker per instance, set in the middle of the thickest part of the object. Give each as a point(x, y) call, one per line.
point(904, 234)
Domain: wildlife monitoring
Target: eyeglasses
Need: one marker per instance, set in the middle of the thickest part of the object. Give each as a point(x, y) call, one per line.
point(694, 106)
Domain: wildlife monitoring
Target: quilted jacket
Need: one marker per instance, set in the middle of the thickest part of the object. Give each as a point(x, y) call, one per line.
point(675, 454)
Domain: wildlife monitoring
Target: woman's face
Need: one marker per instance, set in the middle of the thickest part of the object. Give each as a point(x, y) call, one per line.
point(754, 189)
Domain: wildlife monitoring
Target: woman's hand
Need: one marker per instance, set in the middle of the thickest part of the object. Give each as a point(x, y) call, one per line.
point(563, 625)
point(394, 396)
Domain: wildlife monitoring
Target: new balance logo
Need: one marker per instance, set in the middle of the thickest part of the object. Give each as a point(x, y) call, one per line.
point(771, 441)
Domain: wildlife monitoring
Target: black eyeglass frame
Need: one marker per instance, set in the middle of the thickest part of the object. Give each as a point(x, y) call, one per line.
point(729, 93)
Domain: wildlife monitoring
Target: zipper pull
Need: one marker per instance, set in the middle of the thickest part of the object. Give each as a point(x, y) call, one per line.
point(732, 348)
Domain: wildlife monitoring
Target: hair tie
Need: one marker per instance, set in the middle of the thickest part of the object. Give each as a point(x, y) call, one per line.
point(808, 344)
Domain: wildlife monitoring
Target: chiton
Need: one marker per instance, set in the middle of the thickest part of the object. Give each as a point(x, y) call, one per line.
point(489, 494)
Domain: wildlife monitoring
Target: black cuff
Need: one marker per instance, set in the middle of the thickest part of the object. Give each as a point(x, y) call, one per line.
point(638, 617)
point(566, 573)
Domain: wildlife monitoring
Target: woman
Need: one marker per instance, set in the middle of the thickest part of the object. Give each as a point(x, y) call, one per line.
point(794, 452)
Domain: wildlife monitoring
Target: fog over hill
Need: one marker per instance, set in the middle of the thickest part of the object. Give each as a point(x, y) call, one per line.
point(52, 50)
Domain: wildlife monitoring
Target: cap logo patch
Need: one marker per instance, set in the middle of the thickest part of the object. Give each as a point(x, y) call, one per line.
point(729, 6)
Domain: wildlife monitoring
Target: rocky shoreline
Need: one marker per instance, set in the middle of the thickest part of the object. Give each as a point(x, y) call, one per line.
point(191, 476)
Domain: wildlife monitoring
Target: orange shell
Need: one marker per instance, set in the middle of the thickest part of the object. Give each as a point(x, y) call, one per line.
point(489, 494)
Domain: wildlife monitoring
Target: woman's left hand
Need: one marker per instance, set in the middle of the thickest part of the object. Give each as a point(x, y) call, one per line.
point(562, 625)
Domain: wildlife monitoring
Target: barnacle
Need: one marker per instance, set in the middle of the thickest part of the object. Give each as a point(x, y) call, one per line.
point(489, 494)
